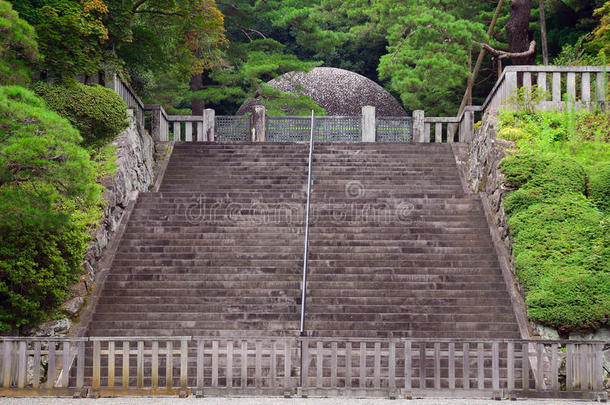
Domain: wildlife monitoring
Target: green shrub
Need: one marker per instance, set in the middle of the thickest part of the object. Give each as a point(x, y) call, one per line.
point(97, 112)
point(48, 199)
point(519, 169)
point(18, 47)
point(599, 186)
point(540, 178)
point(512, 134)
point(562, 258)
point(561, 239)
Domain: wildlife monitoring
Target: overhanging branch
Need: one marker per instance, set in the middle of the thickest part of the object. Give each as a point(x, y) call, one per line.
point(503, 54)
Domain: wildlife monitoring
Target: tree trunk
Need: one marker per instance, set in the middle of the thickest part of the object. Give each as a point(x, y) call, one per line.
point(197, 105)
point(545, 49)
point(517, 30)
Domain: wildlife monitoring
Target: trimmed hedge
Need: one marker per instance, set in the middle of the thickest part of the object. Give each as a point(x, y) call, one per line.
point(540, 178)
point(98, 113)
point(562, 256)
point(599, 186)
point(561, 240)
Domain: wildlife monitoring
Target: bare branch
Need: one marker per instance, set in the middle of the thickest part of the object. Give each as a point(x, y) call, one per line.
point(503, 54)
point(258, 32)
point(246, 34)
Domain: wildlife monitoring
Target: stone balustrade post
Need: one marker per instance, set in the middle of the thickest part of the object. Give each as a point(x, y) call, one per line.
point(259, 124)
point(418, 126)
point(209, 123)
point(368, 124)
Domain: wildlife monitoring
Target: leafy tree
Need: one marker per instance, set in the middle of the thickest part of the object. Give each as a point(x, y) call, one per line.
point(70, 34)
point(18, 47)
point(161, 45)
point(254, 63)
point(601, 39)
point(48, 199)
point(428, 43)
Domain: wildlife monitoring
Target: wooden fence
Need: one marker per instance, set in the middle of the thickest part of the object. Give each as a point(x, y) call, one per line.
point(301, 366)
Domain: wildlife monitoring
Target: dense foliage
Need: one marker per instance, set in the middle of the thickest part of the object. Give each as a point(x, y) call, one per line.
point(558, 214)
point(98, 113)
point(48, 201)
point(18, 47)
point(186, 54)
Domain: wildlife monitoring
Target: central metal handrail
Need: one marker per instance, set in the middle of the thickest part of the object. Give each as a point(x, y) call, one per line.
point(306, 247)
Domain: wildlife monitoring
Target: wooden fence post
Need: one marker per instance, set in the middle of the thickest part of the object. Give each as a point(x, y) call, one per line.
point(418, 126)
point(368, 124)
point(259, 124)
point(209, 123)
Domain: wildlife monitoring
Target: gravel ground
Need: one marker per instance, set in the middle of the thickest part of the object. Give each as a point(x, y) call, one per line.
point(271, 401)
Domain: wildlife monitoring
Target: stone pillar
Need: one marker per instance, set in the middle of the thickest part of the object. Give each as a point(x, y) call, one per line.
point(368, 124)
point(418, 126)
point(155, 124)
point(510, 85)
point(209, 122)
point(467, 126)
point(111, 81)
point(259, 124)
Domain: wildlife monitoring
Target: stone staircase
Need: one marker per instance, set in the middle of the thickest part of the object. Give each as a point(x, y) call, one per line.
point(397, 249)
point(211, 254)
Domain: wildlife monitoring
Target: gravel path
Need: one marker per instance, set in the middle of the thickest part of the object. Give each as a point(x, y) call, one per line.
point(272, 401)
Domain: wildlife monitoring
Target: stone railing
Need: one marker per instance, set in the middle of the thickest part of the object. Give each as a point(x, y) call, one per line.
point(585, 86)
point(260, 127)
point(120, 87)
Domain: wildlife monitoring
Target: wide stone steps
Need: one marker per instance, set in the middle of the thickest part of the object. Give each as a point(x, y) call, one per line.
point(397, 249)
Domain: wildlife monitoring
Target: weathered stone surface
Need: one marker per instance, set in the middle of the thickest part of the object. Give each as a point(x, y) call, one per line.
point(54, 328)
point(338, 91)
point(73, 306)
point(134, 173)
point(483, 175)
point(545, 332)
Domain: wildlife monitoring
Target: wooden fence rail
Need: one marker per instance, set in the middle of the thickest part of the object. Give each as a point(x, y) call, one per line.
point(301, 366)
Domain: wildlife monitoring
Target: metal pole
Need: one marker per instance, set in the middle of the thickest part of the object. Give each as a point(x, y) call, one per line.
point(306, 248)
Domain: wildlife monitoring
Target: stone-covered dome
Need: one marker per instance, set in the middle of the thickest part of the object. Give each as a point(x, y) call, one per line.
point(338, 91)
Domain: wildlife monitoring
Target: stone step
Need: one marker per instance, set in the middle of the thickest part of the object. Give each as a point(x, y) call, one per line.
point(298, 248)
point(295, 270)
point(314, 276)
point(322, 243)
point(208, 256)
point(314, 263)
point(399, 303)
point(138, 317)
point(435, 293)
